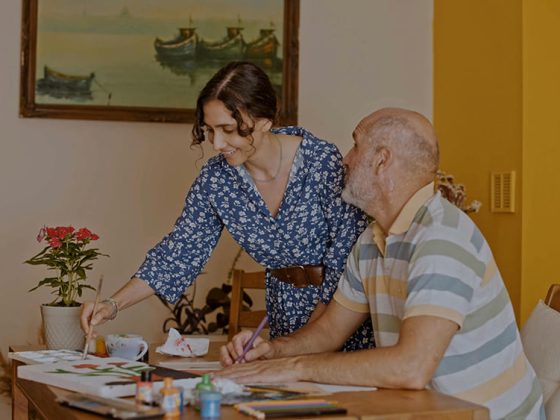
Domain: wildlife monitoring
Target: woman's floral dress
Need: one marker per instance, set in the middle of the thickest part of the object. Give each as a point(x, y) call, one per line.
point(312, 226)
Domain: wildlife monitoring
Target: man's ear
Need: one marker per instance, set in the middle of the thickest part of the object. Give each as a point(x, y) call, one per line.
point(382, 160)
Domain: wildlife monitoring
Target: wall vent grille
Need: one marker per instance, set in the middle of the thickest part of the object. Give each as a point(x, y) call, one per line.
point(502, 191)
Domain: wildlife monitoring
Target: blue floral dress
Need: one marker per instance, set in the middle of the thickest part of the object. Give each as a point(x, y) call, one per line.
point(312, 226)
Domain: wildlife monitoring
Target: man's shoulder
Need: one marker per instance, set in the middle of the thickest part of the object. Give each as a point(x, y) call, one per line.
point(439, 216)
point(443, 226)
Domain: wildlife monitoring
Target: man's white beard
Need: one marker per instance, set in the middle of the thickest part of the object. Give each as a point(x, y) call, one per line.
point(360, 190)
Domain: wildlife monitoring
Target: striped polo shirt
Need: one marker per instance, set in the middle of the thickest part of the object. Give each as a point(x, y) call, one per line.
point(435, 261)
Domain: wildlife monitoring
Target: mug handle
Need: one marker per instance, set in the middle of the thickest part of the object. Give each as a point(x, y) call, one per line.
point(143, 351)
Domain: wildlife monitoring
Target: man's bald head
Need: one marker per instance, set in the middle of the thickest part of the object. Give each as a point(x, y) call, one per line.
point(409, 135)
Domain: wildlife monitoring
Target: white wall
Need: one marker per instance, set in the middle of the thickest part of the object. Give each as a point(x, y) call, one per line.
point(127, 181)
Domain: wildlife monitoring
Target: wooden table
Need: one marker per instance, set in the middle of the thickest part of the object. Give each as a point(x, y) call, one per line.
point(31, 400)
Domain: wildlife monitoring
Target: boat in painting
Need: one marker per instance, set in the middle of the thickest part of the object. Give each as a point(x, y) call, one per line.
point(231, 47)
point(265, 46)
point(60, 84)
point(188, 46)
point(183, 46)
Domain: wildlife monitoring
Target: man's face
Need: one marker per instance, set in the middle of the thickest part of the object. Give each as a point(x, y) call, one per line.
point(361, 185)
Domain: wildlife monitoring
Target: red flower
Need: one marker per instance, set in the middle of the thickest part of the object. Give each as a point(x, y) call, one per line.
point(52, 233)
point(55, 243)
point(119, 364)
point(67, 253)
point(42, 234)
point(83, 234)
point(86, 366)
point(62, 231)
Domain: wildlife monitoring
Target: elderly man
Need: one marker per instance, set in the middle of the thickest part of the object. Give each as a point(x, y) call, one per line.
point(426, 276)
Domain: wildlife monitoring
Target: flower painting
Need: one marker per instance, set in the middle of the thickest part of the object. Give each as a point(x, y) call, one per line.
point(105, 377)
point(146, 60)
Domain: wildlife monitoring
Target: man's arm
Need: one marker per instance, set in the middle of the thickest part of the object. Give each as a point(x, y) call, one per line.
point(326, 332)
point(410, 364)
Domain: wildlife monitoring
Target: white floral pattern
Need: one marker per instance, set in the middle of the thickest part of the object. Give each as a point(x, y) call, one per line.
point(313, 226)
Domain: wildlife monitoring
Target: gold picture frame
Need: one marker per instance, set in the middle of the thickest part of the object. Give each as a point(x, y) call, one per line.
point(73, 92)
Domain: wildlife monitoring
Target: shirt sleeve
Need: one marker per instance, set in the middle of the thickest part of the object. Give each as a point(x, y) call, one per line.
point(345, 222)
point(174, 263)
point(350, 292)
point(442, 279)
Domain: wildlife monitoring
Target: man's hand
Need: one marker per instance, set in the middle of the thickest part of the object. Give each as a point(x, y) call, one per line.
point(267, 371)
point(230, 352)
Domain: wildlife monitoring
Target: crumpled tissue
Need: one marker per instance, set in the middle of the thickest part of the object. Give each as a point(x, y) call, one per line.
point(177, 345)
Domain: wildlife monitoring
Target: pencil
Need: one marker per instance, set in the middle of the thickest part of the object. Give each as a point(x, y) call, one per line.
point(249, 344)
point(260, 388)
point(90, 328)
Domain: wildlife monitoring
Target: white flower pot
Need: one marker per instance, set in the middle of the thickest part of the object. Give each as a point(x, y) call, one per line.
point(62, 327)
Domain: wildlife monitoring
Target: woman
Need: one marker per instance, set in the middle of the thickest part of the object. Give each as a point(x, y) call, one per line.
point(277, 191)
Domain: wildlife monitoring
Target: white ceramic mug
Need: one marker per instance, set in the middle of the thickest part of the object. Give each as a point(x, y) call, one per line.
point(127, 346)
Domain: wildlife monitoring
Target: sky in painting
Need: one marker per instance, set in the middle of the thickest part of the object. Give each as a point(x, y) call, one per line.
point(247, 9)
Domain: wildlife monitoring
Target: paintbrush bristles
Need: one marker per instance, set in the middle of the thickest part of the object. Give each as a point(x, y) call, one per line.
point(90, 327)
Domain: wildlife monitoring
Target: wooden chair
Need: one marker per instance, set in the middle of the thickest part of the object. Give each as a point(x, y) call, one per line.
point(553, 297)
point(237, 317)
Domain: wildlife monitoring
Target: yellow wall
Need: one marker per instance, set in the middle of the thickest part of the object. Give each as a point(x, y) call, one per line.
point(541, 149)
point(477, 112)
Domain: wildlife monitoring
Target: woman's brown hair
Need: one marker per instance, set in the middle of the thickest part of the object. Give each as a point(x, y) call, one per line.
point(241, 86)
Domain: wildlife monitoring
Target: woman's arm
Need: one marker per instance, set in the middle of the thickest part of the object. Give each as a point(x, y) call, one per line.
point(131, 293)
point(174, 263)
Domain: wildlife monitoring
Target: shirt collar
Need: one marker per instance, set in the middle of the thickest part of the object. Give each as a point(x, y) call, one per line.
point(404, 220)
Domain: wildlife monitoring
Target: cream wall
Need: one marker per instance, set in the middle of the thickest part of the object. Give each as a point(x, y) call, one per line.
point(127, 181)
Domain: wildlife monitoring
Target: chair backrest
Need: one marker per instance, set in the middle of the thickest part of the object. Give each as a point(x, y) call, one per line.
point(239, 318)
point(541, 341)
point(553, 297)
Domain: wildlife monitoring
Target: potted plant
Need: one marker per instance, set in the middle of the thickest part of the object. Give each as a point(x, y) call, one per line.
point(68, 254)
point(187, 319)
point(455, 193)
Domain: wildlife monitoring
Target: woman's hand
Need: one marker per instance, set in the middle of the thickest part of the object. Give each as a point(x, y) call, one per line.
point(103, 313)
point(230, 352)
point(134, 291)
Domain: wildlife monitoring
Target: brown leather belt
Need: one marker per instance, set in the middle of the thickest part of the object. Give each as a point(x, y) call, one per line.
point(300, 275)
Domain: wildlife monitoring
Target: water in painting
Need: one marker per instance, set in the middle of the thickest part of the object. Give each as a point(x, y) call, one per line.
point(146, 53)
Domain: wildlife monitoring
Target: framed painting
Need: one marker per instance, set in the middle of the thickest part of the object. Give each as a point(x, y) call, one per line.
point(145, 60)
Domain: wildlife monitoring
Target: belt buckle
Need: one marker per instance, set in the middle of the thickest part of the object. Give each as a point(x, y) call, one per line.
point(306, 281)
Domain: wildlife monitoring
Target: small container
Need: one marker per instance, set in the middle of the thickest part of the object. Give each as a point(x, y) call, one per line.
point(210, 404)
point(204, 385)
point(100, 348)
point(170, 399)
point(144, 388)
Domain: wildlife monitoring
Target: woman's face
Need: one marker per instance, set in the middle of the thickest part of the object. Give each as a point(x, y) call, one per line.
point(221, 132)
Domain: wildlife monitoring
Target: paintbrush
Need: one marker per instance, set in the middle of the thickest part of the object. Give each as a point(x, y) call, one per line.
point(90, 328)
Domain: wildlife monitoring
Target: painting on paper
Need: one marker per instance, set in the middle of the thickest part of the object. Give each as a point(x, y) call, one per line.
point(147, 60)
point(109, 377)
